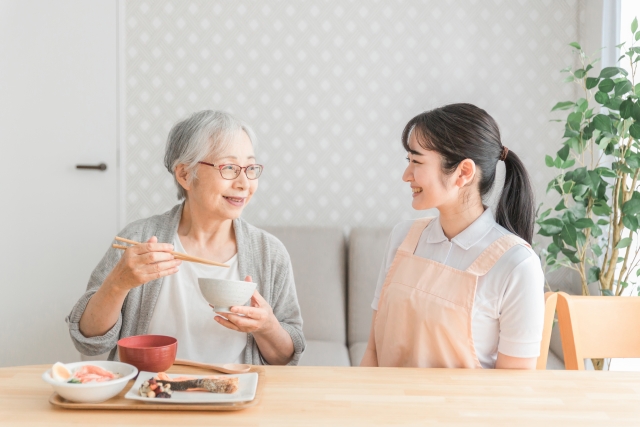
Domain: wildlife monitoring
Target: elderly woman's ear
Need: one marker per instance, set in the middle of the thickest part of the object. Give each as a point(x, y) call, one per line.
point(182, 176)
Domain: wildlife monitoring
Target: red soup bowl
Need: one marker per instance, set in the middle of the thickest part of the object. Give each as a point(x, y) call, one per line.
point(152, 353)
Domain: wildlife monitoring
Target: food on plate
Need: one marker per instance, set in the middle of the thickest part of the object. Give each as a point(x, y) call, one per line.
point(161, 386)
point(82, 375)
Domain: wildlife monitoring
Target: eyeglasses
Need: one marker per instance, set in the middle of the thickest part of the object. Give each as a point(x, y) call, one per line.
point(231, 171)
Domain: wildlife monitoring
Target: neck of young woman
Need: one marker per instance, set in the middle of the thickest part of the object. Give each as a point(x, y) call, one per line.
point(206, 234)
point(456, 217)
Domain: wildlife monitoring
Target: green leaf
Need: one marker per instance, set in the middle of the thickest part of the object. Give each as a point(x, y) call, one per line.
point(584, 223)
point(592, 82)
point(603, 123)
point(560, 206)
point(603, 144)
point(637, 38)
point(593, 275)
point(623, 87)
point(623, 243)
point(601, 98)
point(569, 235)
point(626, 109)
point(580, 73)
point(544, 214)
point(568, 164)
point(548, 160)
point(609, 72)
point(596, 250)
point(565, 105)
point(636, 89)
point(563, 153)
point(574, 120)
point(601, 209)
point(606, 292)
point(576, 45)
point(614, 103)
point(606, 85)
point(635, 113)
point(634, 130)
point(631, 222)
point(634, 25)
point(551, 226)
point(571, 255)
point(606, 172)
point(582, 104)
point(579, 191)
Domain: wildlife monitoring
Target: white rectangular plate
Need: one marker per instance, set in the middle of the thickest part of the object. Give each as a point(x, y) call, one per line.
point(247, 384)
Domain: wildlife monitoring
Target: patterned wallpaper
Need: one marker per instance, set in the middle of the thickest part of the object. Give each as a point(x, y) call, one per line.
point(328, 87)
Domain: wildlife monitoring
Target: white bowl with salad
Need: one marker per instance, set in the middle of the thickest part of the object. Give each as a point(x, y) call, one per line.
point(89, 382)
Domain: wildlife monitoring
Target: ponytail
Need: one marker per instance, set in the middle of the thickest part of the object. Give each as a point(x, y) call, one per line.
point(464, 131)
point(516, 207)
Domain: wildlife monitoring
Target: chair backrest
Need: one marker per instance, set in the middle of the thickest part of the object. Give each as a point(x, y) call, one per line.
point(550, 300)
point(318, 258)
point(589, 328)
point(366, 252)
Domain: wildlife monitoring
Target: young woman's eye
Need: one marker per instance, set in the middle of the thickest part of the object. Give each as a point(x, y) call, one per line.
point(408, 159)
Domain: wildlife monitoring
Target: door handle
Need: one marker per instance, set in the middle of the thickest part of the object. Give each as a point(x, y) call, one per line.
point(100, 167)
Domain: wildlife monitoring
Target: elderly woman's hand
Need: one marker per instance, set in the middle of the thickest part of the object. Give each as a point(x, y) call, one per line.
point(258, 318)
point(143, 263)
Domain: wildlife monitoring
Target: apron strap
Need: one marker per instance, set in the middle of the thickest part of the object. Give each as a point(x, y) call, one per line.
point(493, 253)
point(410, 243)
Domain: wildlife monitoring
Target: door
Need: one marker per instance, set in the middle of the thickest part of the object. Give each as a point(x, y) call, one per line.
point(57, 110)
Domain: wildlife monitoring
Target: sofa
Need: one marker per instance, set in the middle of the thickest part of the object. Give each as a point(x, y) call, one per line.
point(336, 275)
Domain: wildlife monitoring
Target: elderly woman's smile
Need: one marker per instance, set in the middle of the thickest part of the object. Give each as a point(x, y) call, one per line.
point(211, 157)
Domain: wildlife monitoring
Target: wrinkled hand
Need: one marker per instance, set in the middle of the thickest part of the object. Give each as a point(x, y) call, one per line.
point(143, 263)
point(258, 318)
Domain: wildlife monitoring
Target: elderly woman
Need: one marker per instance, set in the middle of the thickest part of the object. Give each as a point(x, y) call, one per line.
point(145, 290)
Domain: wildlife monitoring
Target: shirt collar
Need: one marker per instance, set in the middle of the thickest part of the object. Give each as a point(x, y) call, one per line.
point(469, 236)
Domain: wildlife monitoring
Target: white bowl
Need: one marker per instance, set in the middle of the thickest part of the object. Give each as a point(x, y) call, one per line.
point(224, 294)
point(93, 392)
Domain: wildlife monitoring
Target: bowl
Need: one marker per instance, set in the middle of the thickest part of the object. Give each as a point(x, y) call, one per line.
point(152, 353)
point(93, 392)
point(224, 294)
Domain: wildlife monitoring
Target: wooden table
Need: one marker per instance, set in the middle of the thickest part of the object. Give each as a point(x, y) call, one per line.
point(326, 396)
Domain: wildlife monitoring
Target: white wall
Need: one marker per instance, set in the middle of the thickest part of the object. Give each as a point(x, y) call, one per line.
point(328, 87)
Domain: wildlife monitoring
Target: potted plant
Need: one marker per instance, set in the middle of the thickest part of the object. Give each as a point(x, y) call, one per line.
point(594, 227)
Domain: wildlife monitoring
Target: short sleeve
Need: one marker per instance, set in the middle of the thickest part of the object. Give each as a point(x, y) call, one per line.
point(521, 314)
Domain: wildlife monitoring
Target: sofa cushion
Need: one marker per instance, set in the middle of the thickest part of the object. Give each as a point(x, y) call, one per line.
point(318, 257)
point(366, 252)
point(325, 353)
point(356, 352)
point(554, 362)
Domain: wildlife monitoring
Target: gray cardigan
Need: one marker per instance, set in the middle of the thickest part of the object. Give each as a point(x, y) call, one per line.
point(260, 255)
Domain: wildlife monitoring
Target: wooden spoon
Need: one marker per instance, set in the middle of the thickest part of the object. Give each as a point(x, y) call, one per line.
point(227, 368)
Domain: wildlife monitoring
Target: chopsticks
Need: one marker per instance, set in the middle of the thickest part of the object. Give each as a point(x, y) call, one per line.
point(177, 255)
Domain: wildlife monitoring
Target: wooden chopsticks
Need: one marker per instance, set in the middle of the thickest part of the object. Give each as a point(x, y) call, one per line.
point(177, 255)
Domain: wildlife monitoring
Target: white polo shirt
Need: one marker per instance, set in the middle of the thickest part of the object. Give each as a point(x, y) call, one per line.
point(508, 311)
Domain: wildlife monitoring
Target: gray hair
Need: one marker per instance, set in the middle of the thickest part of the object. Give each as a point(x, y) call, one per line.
point(199, 136)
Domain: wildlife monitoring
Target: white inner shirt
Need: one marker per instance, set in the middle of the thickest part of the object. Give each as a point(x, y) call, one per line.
point(508, 310)
point(182, 312)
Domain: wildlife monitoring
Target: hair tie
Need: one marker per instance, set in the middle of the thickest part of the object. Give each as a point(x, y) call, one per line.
point(504, 153)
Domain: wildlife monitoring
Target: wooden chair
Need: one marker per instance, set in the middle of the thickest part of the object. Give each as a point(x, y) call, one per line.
point(588, 328)
point(550, 299)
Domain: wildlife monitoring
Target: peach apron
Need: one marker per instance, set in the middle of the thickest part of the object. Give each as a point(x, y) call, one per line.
point(425, 307)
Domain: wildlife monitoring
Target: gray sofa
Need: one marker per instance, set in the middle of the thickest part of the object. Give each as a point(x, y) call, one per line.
point(335, 278)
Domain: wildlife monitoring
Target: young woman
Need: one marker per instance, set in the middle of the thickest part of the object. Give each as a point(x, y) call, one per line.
point(461, 290)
